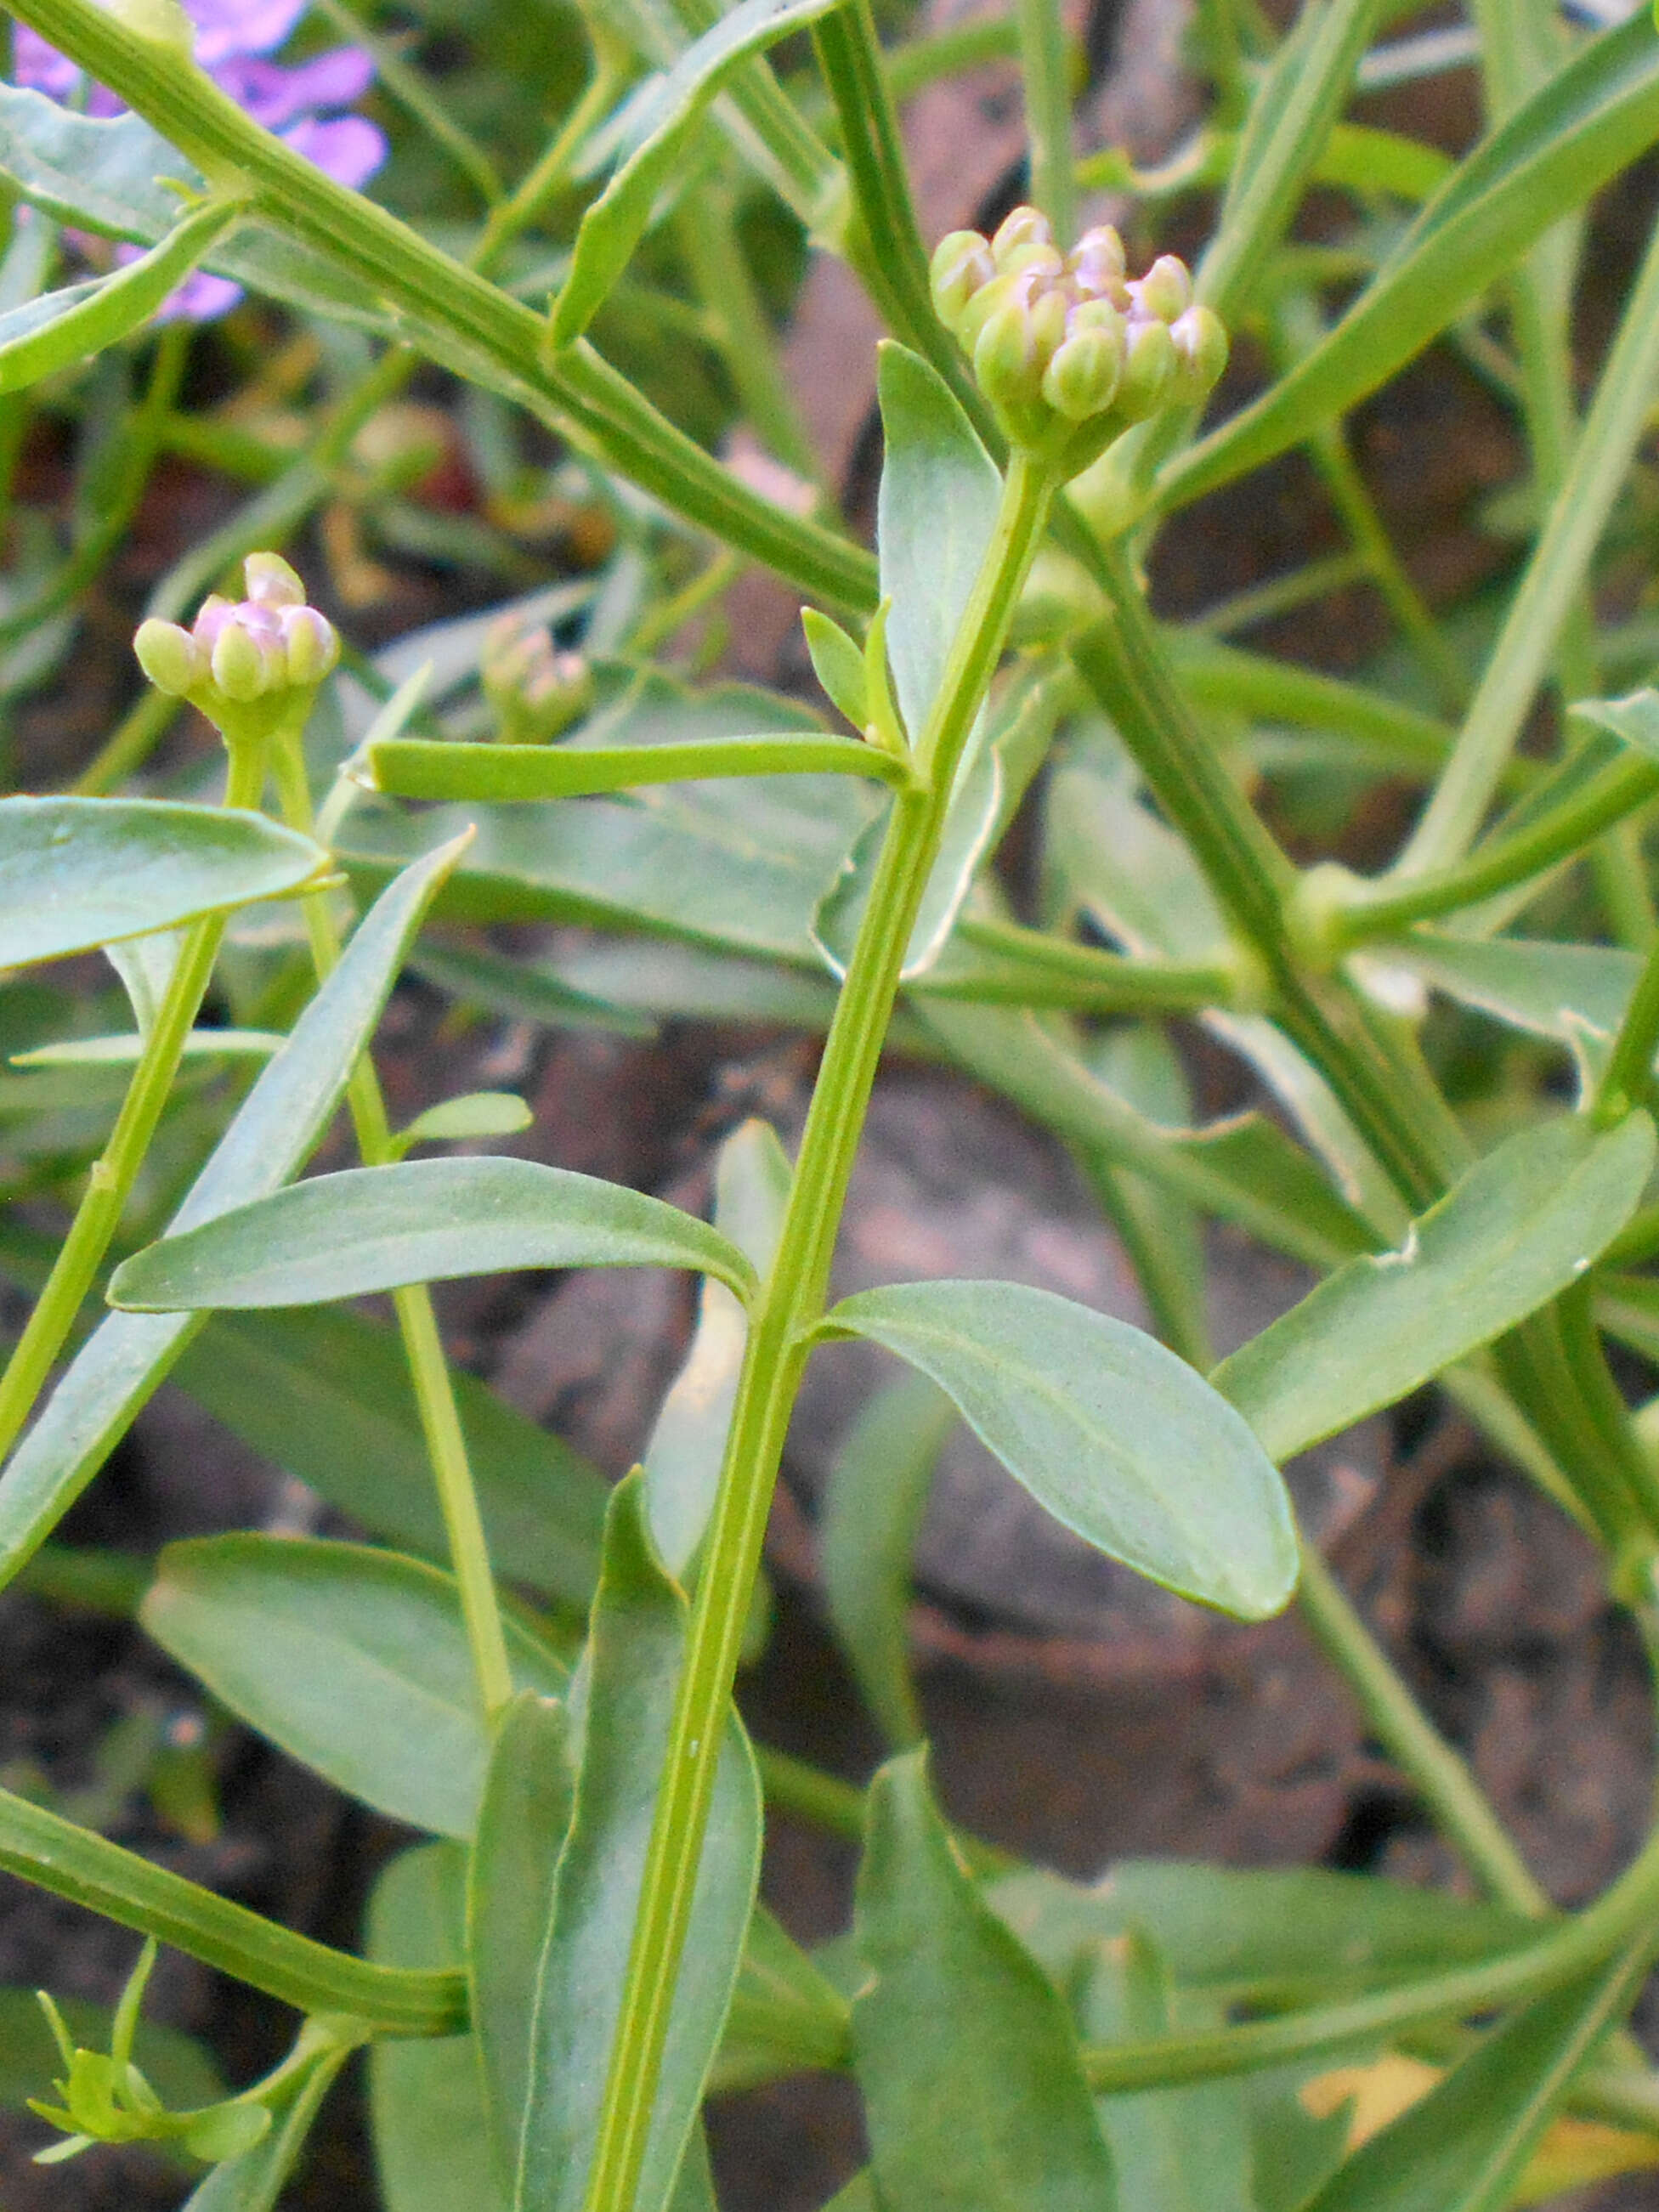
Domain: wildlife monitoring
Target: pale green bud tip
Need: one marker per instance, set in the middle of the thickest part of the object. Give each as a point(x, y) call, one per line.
point(1083, 378)
point(312, 644)
point(246, 666)
point(170, 657)
point(536, 690)
point(1006, 357)
point(1149, 370)
point(1165, 291)
point(962, 263)
point(1024, 227)
point(1201, 350)
point(271, 583)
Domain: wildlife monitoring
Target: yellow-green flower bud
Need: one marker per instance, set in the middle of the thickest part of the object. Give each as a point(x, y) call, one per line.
point(961, 263)
point(1007, 364)
point(1166, 289)
point(1026, 226)
point(1201, 350)
point(244, 664)
point(311, 643)
point(271, 581)
point(1048, 316)
point(984, 304)
point(536, 690)
point(1149, 369)
point(1034, 260)
point(1083, 378)
point(170, 657)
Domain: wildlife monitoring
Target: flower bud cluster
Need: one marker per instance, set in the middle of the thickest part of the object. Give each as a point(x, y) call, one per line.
point(536, 690)
point(242, 660)
point(1068, 348)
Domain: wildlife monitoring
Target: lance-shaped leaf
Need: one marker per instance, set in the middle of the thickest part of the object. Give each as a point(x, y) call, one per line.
point(351, 1659)
point(935, 515)
point(684, 1457)
point(1120, 1440)
point(1547, 159)
point(325, 1393)
point(62, 328)
point(76, 872)
point(1521, 1226)
point(528, 1792)
point(973, 2094)
point(872, 1509)
point(413, 768)
point(622, 1701)
point(1464, 2147)
point(654, 130)
point(282, 1119)
point(423, 1221)
point(425, 2098)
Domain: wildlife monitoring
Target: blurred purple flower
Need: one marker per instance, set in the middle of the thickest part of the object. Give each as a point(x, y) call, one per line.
point(233, 39)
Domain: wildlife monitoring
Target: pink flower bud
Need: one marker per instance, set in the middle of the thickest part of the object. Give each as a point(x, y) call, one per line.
point(246, 663)
point(1166, 289)
point(1098, 263)
point(311, 643)
point(271, 583)
point(1024, 227)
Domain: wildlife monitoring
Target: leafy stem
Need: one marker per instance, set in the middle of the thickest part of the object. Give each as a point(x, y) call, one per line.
point(789, 1305)
point(434, 1395)
point(114, 1174)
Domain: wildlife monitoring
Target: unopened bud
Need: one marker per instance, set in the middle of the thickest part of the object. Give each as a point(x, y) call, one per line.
point(1166, 289)
point(1083, 378)
point(271, 583)
point(1098, 263)
point(1006, 361)
point(962, 263)
point(984, 304)
point(311, 642)
point(170, 657)
point(246, 664)
point(1032, 260)
point(1026, 226)
point(1046, 314)
point(536, 690)
point(1201, 349)
point(1149, 369)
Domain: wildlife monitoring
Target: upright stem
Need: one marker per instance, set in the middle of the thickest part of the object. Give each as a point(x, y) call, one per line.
point(1048, 114)
point(428, 1370)
point(112, 1176)
point(790, 1303)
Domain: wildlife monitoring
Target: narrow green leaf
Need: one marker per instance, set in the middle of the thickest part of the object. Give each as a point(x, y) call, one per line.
point(1574, 994)
point(425, 2098)
point(1521, 1226)
point(528, 1792)
point(477, 1114)
point(418, 768)
point(282, 1119)
point(126, 1051)
point(621, 1703)
point(684, 1457)
point(935, 514)
point(63, 328)
point(872, 1512)
point(1633, 721)
point(76, 872)
point(1180, 2150)
point(654, 130)
point(838, 664)
point(974, 2098)
point(1463, 2147)
point(325, 1393)
point(785, 2013)
point(1547, 160)
point(1120, 1440)
point(423, 1221)
point(352, 1659)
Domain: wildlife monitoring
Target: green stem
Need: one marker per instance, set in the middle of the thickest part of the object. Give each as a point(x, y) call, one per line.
point(1044, 971)
point(1447, 1786)
point(1555, 575)
point(1629, 1072)
point(87, 1869)
point(1623, 1915)
point(448, 305)
point(1394, 902)
point(428, 1370)
point(408, 87)
point(1046, 70)
point(789, 1305)
point(114, 1172)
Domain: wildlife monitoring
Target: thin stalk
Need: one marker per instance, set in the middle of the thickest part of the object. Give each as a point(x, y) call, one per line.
point(1616, 1922)
point(1045, 68)
point(1045, 970)
point(1282, 595)
point(114, 1173)
point(1562, 836)
point(410, 88)
point(550, 171)
point(789, 1305)
point(920, 61)
point(428, 1370)
point(130, 744)
point(1555, 575)
point(1629, 1072)
point(1447, 1786)
point(1603, 1404)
